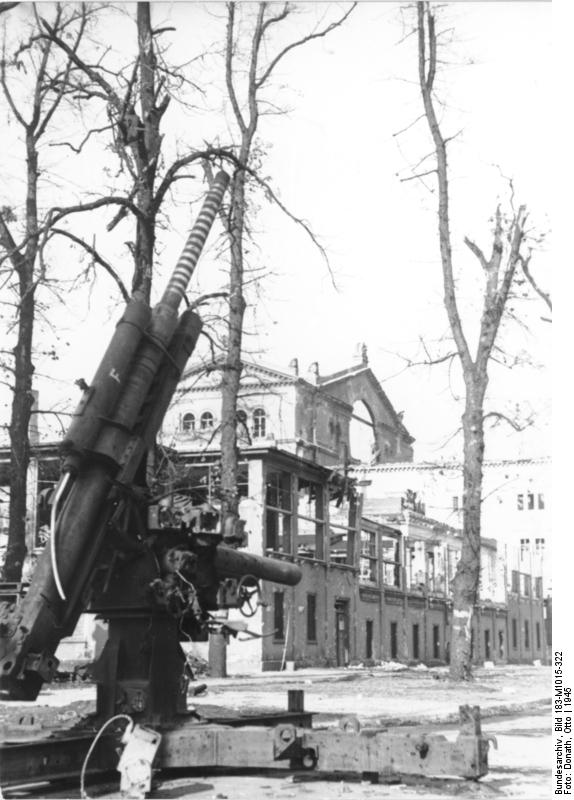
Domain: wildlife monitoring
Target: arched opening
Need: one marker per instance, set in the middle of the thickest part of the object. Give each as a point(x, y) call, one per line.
point(188, 423)
point(206, 421)
point(362, 433)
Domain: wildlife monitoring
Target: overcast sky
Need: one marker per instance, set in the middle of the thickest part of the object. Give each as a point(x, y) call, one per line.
point(338, 160)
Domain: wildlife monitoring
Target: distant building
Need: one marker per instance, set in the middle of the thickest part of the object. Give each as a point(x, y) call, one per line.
point(326, 419)
point(516, 504)
point(516, 511)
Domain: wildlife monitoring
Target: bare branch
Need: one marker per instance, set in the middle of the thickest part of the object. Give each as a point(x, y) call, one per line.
point(477, 252)
point(64, 80)
point(229, 68)
point(199, 155)
point(93, 74)
point(8, 243)
point(299, 221)
point(205, 298)
point(8, 94)
point(525, 264)
point(57, 213)
point(79, 148)
point(409, 126)
point(96, 257)
point(498, 417)
point(318, 35)
point(418, 175)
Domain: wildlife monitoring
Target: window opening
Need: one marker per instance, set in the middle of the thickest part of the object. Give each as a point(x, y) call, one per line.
point(278, 616)
point(391, 558)
point(342, 523)
point(394, 641)
point(310, 519)
point(311, 617)
point(188, 423)
point(259, 423)
point(368, 563)
point(278, 511)
point(206, 421)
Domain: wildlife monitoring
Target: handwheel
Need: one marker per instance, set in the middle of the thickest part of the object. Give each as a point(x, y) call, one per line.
point(249, 595)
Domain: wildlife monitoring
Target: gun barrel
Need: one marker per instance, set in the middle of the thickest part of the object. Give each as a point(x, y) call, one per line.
point(231, 563)
point(187, 262)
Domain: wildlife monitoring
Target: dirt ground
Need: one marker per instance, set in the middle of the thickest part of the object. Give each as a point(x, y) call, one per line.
point(514, 702)
point(395, 696)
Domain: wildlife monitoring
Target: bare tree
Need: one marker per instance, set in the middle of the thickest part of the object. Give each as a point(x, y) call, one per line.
point(507, 255)
point(246, 84)
point(34, 111)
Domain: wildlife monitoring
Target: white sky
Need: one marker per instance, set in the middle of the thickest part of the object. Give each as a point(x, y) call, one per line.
point(336, 161)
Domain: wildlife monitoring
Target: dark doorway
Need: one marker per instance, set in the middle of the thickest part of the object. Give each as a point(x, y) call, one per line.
point(342, 632)
point(369, 643)
point(436, 641)
point(394, 641)
point(487, 653)
point(501, 653)
point(416, 649)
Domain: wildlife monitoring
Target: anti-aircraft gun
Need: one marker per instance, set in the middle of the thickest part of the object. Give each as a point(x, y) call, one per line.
point(155, 586)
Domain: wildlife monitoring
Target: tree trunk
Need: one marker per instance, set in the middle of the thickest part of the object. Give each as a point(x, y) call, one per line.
point(22, 400)
point(232, 369)
point(19, 442)
point(230, 382)
point(467, 577)
point(146, 151)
